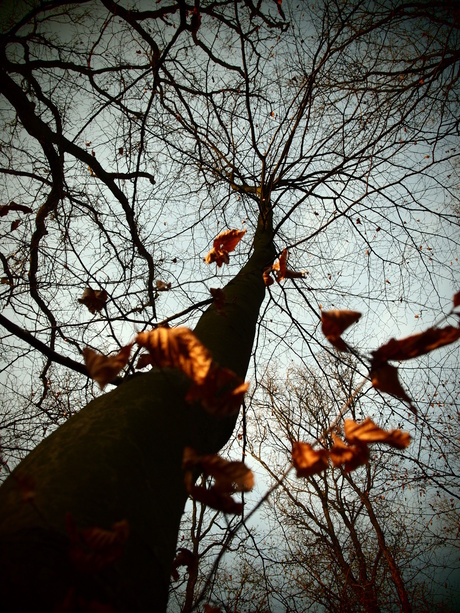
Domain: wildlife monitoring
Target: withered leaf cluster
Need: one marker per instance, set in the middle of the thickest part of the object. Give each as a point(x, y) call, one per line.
point(351, 453)
point(384, 376)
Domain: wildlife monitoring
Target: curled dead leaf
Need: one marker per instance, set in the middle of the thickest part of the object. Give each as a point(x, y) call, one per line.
point(308, 461)
point(268, 279)
point(162, 286)
point(335, 322)
point(103, 369)
point(385, 379)
point(281, 271)
point(368, 432)
point(177, 348)
point(94, 300)
point(348, 456)
point(224, 243)
point(415, 345)
point(229, 477)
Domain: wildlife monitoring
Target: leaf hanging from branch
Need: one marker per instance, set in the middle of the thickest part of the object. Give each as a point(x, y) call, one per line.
point(351, 454)
point(94, 549)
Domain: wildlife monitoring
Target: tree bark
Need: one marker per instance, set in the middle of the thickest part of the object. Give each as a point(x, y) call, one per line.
point(119, 459)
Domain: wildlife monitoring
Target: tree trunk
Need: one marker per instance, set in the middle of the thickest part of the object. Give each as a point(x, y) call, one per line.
point(119, 459)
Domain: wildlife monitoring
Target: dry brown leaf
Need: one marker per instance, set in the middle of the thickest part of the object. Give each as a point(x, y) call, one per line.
point(385, 379)
point(221, 393)
point(220, 501)
point(308, 461)
point(456, 299)
point(224, 243)
point(281, 271)
point(350, 456)
point(368, 432)
point(103, 369)
point(268, 279)
point(94, 300)
point(415, 345)
point(177, 348)
point(229, 476)
point(162, 286)
point(335, 322)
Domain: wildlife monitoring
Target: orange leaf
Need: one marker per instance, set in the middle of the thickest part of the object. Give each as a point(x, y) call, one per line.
point(268, 279)
point(334, 323)
point(221, 393)
point(351, 456)
point(224, 243)
point(282, 272)
point(385, 378)
point(308, 461)
point(94, 300)
point(415, 345)
point(104, 369)
point(228, 240)
point(368, 432)
point(177, 348)
point(219, 257)
point(162, 286)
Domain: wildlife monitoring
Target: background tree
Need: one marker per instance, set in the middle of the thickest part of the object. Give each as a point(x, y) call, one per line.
point(132, 137)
